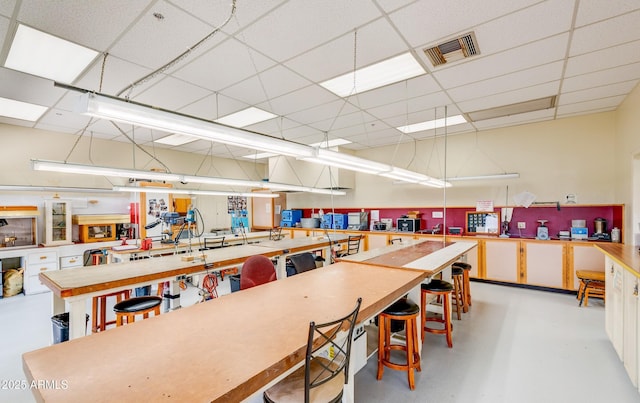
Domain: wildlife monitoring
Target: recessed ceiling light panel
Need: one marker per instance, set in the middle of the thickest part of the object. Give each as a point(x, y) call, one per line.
point(246, 117)
point(176, 139)
point(35, 52)
point(433, 124)
point(21, 110)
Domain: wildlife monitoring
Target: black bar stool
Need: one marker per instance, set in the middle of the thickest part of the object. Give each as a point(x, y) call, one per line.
point(129, 308)
point(443, 290)
point(466, 283)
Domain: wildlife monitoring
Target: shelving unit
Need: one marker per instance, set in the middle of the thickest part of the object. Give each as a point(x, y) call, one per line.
point(98, 228)
point(57, 222)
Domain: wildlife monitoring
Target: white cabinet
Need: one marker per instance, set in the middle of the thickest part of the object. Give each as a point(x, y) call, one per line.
point(614, 305)
point(544, 264)
point(36, 263)
point(630, 325)
point(57, 222)
point(503, 260)
point(69, 262)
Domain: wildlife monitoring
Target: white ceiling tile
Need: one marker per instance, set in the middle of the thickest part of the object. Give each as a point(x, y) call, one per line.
point(605, 34)
point(224, 65)
point(4, 30)
point(171, 36)
point(268, 84)
point(430, 21)
point(213, 107)
point(508, 82)
point(590, 106)
point(604, 59)
point(417, 104)
point(604, 77)
point(374, 42)
point(278, 33)
point(511, 97)
point(302, 99)
point(27, 88)
point(592, 11)
point(482, 68)
point(401, 91)
point(604, 91)
point(171, 94)
point(555, 14)
point(296, 133)
point(323, 113)
point(6, 7)
point(116, 76)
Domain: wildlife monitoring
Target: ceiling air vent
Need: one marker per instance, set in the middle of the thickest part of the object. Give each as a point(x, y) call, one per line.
point(455, 49)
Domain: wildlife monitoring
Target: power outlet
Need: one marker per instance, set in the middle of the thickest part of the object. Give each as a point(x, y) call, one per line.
point(522, 225)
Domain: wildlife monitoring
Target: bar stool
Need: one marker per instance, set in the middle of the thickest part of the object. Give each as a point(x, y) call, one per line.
point(129, 308)
point(443, 290)
point(99, 320)
point(407, 311)
point(591, 284)
point(458, 289)
point(466, 283)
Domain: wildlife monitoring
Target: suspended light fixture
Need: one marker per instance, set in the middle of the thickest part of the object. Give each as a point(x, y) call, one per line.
point(151, 189)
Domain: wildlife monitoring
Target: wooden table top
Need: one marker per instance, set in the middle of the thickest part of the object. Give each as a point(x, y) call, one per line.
point(222, 350)
point(293, 245)
point(84, 280)
point(626, 255)
point(428, 256)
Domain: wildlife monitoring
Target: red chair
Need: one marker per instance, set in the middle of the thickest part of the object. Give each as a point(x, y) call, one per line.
point(257, 270)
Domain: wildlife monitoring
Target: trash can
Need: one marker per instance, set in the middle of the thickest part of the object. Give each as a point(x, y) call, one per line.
point(291, 270)
point(143, 291)
point(234, 282)
point(60, 327)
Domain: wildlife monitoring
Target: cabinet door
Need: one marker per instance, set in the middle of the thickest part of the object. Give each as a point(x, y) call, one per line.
point(584, 258)
point(377, 240)
point(630, 328)
point(544, 264)
point(502, 260)
point(58, 222)
point(615, 308)
point(608, 297)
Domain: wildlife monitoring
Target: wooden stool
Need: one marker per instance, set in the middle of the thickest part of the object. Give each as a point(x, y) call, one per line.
point(441, 289)
point(591, 284)
point(458, 289)
point(131, 307)
point(466, 284)
point(407, 311)
point(99, 321)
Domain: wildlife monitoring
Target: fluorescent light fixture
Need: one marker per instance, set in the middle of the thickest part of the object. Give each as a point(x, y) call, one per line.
point(483, 177)
point(64, 167)
point(21, 110)
point(28, 188)
point(176, 139)
point(120, 110)
point(246, 117)
point(331, 143)
point(433, 124)
point(386, 72)
point(347, 161)
point(414, 177)
point(258, 156)
point(151, 189)
point(35, 52)
point(513, 109)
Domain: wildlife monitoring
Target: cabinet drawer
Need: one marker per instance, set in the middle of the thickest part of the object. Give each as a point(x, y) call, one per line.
point(44, 257)
point(34, 269)
point(33, 285)
point(67, 262)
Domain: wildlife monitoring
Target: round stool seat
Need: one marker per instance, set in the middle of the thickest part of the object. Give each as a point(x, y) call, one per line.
point(457, 271)
point(402, 307)
point(437, 285)
point(462, 265)
point(137, 304)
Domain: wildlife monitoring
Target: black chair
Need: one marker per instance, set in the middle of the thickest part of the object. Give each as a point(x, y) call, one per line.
point(213, 243)
point(303, 262)
point(322, 378)
point(353, 245)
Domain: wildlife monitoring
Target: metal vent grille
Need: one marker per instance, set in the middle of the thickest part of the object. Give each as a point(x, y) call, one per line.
point(452, 50)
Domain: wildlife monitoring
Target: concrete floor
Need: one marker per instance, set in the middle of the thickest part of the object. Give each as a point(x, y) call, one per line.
point(514, 345)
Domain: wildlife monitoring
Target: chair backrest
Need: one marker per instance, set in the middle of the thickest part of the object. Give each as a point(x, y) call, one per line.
point(303, 262)
point(213, 243)
point(353, 244)
point(275, 234)
point(321, 368)
point(257, 270)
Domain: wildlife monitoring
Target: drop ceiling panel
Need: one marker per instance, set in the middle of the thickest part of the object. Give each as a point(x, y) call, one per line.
point(401, 91)
point(590, 106)
point(427, 102)
point(374, 42)
point(269, 84)
point(171, 36)
point(604, 77)
point(605, 34)
point(349, 120)
point(223, 66)
point(525, 57)
point(604, 91)
point(171, 94)
point(117, 75)
point(300, 100)
point(93, 24)
point(27, 88)
point(508, 82)
point(4, 30)
point(556, 16)
point(278, 33)
point(213, 107)
point(592, 11)
point(604, 59)
point(443, 19)
point(63, 119)
point(296, 133)
point(6, 7)
point(323, 113)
